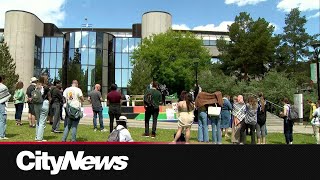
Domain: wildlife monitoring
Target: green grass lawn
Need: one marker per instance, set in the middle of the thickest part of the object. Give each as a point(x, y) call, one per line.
point(85, 133)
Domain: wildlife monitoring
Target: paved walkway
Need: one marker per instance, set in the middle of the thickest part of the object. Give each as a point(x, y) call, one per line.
point(274, 124)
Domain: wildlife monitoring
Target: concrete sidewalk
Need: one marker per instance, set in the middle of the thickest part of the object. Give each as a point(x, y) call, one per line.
point(274, 124)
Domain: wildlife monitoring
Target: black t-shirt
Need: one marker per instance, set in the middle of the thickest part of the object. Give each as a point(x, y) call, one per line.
point(56, 95)
point(46, 93)
point(30, 89)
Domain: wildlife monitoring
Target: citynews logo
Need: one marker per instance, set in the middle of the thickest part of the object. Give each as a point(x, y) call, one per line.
point(42, 161)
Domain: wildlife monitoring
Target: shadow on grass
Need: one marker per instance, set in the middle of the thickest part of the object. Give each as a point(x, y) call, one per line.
point(82, 139)
point(11, 135)
point(49, 137)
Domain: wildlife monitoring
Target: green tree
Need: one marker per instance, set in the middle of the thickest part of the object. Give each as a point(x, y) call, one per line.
point(8, 67)
point(75, 72)
point(295, 40)
point(140, 77)
point(251, 48)
point(172, 56)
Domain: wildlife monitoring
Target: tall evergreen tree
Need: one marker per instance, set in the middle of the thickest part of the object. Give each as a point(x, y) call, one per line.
point(8, 67)
point(251, 49)
point(295, 40)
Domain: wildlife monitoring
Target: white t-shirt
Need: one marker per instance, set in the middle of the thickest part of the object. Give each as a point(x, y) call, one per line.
point(72, 95)
point(287, 108)
point(125, 135)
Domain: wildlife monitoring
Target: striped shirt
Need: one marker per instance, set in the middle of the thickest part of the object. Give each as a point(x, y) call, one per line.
point(4, 94)
point(239, 111)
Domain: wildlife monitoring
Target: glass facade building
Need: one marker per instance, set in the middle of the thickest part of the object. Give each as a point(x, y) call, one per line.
point(124, 47)
point(89, 55)
point(89, 59)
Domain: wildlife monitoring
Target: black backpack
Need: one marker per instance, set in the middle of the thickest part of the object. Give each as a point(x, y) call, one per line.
point(262, 115)
point(148, 99)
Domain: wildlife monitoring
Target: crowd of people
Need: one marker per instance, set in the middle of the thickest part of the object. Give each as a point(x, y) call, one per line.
point(240, 114)
point(46, 103)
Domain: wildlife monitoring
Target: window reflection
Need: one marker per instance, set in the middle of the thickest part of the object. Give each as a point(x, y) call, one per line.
point(77, 40)
point(99, 39)
point(125, 60)
point(125, 45)
point(92, 56)
point(46, 45)
point(53, 45)
point(84, 55)
point(71, 41)
point(118, 44)
point(92, 40)
point(59, 60)
point(85, 39)
point(53, 58)
point(125, 77)
point(118, 77)
point(46, 60)
point(91, 75)
point(59, 44)
point(118, 60)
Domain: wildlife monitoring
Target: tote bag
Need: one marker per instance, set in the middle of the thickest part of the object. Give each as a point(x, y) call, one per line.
point(214, 110)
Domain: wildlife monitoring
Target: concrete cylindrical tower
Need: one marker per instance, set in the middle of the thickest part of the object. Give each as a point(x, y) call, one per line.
point(20, 30)
point(155, 22)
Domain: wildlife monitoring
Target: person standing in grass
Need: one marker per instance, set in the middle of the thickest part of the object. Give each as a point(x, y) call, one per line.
point(316, 123)
point(18, 98)
point(114, 102)
point(313, 108)
point(57, 100)
point(261, 120)
point(239, 113)
point(152, 100)
point(185, 117)
point(31, 114)
point(95, 99)
point(287, 123)
point(74, 98)
point(4, 98)
point(41, 99)
point(226, 115)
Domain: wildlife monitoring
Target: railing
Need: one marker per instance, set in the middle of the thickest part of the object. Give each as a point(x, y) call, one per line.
point(272, 107)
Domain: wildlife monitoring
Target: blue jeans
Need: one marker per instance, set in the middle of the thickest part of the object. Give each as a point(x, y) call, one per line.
point(216, 130)
point(41, 111)
point(95, 113)
point(72, 124)
point(3, 120)
point(288, 130)
point(203, 134)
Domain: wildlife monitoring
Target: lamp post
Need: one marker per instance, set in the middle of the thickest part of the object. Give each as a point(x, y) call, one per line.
point(316, 56)
point(196, 63)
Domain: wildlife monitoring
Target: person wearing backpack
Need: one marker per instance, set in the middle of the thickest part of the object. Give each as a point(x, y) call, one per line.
point(31, 114)
point(120, 133)
point(152, 100)
point(287, 122)
point(74, 99)
point(41, 98)
point(261, 120)
point(250, 120)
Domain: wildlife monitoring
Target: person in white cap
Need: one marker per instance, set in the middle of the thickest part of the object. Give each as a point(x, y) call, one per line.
point(31, 113)
point(124, 134)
